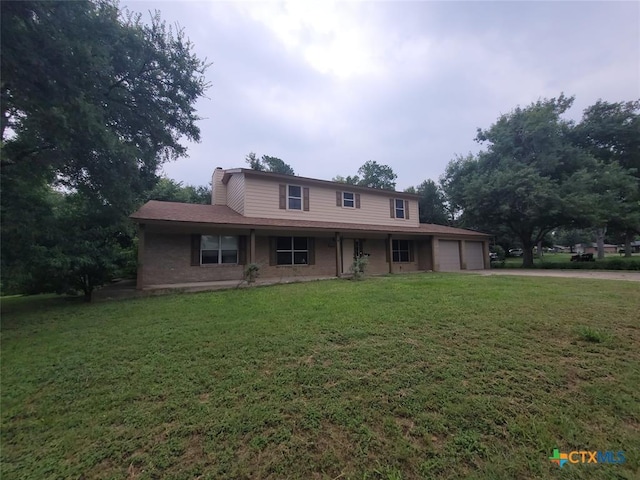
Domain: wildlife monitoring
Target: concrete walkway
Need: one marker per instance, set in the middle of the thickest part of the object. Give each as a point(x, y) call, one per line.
point(127, 288)
point(633, 276)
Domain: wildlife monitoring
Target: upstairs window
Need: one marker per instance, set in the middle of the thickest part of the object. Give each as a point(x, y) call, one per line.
point(399, 208)
point(294, 197)
point(348, 200)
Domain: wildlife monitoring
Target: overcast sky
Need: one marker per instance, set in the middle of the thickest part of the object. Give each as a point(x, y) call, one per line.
point(326, 86)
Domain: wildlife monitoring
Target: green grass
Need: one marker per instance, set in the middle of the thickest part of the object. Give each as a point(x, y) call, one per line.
point(417, 376)
point(612, 261)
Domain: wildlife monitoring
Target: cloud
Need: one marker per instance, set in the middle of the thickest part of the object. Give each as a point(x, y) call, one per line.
point(327, 86)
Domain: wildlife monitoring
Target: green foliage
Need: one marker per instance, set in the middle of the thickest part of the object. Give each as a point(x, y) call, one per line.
point(268, 164)
point(251, 272)
point(534, 177)
point(92, 103)
point(96, 99)
point(372, 175)
point(592, 335)
point(358, 267)
point(171, 191)
point(432, 204)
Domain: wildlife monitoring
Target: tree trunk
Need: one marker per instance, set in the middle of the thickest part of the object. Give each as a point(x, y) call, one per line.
point(540, 249)
point(600, 233)
point(527, 254)
point(628, 236)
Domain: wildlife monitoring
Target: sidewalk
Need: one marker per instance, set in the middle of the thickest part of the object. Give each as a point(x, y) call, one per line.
point(127, 288)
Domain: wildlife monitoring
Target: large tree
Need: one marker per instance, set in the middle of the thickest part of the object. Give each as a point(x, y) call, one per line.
point(269, 164)
point(523, 179)
point(373, 175)
point(171, 191)
point(93, 102)
point(611, 133)
point(432, 203)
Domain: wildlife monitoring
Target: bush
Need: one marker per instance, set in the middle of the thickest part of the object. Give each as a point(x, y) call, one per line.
point(251, 272)
point(358, 267)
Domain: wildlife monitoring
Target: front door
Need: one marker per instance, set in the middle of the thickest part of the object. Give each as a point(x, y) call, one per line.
point(348, 245)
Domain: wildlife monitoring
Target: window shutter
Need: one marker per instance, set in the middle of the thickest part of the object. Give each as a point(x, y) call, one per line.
point(283, 197)
point(195, 250)
point(305, 199)
point(386, 250)
point(311, 244)
point(338, 199)
point(412, 257)
point(357, 200)
point(242, 250)
point(392, 209)
point(272, 251)
point(406, 209)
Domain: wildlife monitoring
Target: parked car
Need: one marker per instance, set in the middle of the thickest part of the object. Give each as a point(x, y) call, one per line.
point(515, 252)
point(493, 256)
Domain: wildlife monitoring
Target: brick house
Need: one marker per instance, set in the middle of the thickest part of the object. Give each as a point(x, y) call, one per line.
point(294, 226)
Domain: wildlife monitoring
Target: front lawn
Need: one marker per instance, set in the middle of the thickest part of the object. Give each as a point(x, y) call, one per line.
point(416, 376)
point(611, 261)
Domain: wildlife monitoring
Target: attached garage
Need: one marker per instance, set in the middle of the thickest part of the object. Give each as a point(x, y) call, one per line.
point(474, 255)
point(449, 253)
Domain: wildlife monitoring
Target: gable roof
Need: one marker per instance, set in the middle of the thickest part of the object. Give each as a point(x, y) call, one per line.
point(314, 181)
point(156, 211)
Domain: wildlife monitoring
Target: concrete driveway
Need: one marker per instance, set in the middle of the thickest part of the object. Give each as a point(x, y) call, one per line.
point(633, 276)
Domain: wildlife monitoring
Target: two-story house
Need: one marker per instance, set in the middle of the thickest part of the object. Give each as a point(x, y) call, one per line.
point(294, 226)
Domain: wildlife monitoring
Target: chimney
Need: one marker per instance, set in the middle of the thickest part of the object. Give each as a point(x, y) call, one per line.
point(218, 189)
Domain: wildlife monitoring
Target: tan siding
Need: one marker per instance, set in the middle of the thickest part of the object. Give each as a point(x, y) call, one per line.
point(261, 200)
point(236, 193)
point(218, 189)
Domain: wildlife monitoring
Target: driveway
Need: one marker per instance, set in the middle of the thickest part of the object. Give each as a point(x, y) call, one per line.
point(632, 276)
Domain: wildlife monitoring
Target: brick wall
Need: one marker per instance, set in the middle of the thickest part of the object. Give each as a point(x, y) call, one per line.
point(167, 259)
point(325, 264)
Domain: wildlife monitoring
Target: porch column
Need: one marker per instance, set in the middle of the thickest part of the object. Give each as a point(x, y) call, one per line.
point(140, 276)
point(252, 246)
point(435, 254)
point(390, 250)
point(338, 254)
point(462, 245)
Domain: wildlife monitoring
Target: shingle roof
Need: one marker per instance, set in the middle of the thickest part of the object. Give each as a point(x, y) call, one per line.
point(186, 213)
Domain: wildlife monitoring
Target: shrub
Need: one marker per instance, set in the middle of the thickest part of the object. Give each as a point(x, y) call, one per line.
point(251, 272)
point(358, 267)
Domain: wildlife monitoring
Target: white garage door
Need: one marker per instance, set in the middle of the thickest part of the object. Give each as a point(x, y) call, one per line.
point(474, 256)
point(449, 256)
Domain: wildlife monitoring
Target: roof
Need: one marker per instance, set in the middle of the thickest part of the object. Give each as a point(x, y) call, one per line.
point(156, 211)
point(314, 181)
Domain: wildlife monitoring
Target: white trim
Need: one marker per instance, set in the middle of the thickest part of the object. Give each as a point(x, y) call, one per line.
point(353, 199)
point(395, 209)
point(301, 198)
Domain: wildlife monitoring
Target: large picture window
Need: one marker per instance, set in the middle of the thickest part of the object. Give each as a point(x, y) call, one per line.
point(218, 249)
point(292, 251)
point(401, 250)
point(294, 197)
